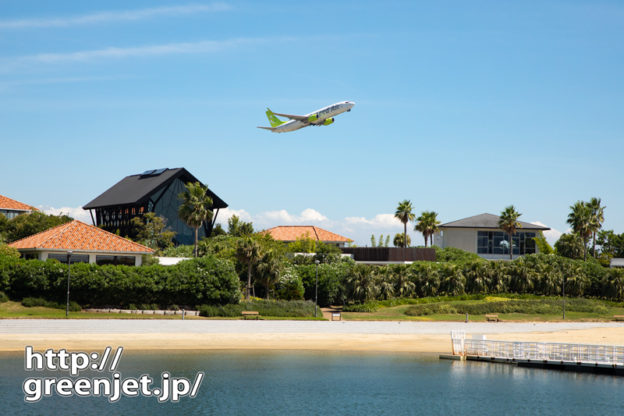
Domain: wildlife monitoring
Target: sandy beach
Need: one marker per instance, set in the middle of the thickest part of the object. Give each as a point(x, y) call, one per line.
point(422, 337)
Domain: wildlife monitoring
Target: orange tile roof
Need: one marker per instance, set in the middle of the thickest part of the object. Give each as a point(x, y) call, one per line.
point(293, 232)
point(76, 235)
point(8, 203)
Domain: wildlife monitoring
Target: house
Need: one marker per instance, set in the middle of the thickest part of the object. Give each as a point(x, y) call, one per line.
point(617, 262)
point(154, 191)
point(291, 233)
point(87, 244)
point(481, 234)
point(11, 208)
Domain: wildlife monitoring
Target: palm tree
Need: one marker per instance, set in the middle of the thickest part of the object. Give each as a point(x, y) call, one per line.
point(195, 208)
point(404, 214)
point(399, 240)
point(269, 269)
point(508, 222)
point(597, 219)
point(428, 225)
point(580, 218)
point(248, 252)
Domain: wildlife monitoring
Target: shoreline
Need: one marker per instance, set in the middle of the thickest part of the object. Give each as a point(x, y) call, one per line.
point(429, 337)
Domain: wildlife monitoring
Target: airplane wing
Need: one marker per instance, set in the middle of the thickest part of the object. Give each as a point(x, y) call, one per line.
point(293, 117)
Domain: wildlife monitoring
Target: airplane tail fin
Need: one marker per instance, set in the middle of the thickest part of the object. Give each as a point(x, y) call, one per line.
point(273, 118)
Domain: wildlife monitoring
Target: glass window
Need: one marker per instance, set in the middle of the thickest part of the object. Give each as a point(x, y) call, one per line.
point(124, 260)
point(75, 258)
point(497, 242)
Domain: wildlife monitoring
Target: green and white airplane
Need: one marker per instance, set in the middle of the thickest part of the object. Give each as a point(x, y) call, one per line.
point(323, 117)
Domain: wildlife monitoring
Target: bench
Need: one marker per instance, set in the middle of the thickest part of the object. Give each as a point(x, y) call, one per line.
point(491, 317)
point(618, 317)
point(250, 314)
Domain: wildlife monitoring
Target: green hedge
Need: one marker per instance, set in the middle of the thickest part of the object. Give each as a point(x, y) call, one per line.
point(279, 308)
point(529, 306)
point(207, 280)
point(30, 302)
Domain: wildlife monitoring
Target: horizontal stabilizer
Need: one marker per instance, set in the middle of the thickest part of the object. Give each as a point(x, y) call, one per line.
point(266, 128)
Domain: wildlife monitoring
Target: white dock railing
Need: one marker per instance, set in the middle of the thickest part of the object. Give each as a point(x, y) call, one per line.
point(542, 351)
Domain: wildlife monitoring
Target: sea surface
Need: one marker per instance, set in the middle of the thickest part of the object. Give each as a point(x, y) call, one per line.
point(320, 383)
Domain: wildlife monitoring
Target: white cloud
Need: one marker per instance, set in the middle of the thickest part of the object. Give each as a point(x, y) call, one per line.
point(76, 213)
point(378, 221)
point(199, 47)
point(226, 213)
point(308, 216)
point(551, 235)
point(114, 16)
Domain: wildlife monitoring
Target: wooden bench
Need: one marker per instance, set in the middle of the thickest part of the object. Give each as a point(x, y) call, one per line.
point(250, 314)
point(618, 317)
point(491, 317)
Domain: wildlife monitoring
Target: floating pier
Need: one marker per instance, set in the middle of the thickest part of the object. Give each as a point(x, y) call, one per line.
point(604, 359)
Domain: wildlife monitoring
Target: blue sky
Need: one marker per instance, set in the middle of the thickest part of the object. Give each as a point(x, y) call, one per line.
point(461, 107)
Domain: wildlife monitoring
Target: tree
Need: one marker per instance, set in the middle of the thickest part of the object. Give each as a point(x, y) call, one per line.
point(399, 240)
point(269, 269)
point(387, 241)
point(151, 231)
point(428, 225)
point(28, 224)
point(611, 244)
point(570, 246)
point(597, 218)
point(248, 253)
point(373, 243)
point(404, 214)
point(195, 208)
point(508, 222)
point(542, 244)
point(580, 218)
point(218, 230)
point(238, 228)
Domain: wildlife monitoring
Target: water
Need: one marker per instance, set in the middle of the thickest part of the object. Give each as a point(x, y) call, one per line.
point(315, 383)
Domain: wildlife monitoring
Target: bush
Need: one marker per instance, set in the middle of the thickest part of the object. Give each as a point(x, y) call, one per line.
point(527, 306)
point(274, 308)
point(3, 297)
point(206, 280)
point(31, 302)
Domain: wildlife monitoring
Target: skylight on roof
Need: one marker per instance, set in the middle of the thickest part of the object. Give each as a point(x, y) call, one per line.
point(153, 172)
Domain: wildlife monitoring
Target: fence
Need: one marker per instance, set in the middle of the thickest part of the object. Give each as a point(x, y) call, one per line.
point(539, 351)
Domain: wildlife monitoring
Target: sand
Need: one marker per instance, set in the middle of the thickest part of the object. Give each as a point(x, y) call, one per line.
point(420, 337)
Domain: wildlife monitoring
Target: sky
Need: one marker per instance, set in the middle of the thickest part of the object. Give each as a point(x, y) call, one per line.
point(461, 107)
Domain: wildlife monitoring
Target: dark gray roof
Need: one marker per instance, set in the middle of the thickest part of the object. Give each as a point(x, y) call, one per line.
point(487, 221)
point(136, 189)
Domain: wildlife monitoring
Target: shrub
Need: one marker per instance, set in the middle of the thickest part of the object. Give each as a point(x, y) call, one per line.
point(31, 302)
point(274, 308)
point(3, 297)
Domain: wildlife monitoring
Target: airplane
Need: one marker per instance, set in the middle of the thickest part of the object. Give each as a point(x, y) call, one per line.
point(322, 117)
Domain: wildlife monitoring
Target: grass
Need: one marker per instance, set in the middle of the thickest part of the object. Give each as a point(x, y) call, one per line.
point(15, 310)
point(512, 308)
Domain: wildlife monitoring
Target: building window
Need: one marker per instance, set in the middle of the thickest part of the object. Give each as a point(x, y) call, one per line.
point(497, 242)
point(75, 258)
point(123, 260)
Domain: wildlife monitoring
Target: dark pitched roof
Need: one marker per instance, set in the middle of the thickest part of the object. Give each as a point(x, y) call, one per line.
point(487, 221)
point(136, 189)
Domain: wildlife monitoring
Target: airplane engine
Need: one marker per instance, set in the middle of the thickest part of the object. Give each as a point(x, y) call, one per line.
point(328, 121)
point(313, 118)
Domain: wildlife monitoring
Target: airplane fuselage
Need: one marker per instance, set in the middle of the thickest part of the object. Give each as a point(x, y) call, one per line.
point(316, 118)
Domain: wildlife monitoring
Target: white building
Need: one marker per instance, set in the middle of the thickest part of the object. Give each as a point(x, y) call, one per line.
point(482, 235)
